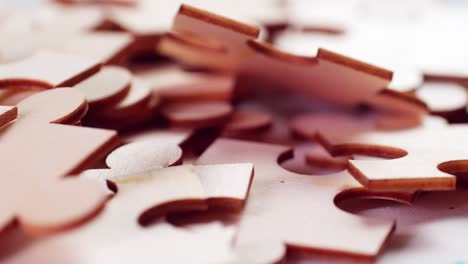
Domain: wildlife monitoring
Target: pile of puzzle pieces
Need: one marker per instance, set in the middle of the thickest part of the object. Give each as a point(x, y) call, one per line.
point(232, 132)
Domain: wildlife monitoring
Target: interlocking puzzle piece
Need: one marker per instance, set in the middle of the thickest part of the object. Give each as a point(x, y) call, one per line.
point(7, 114)
point(448, 100)
point(107, 87)
point(47, 70)
point(105, 47)
point(144, 192)
point(40, 199)
point(299, 211)
point(422, 157)
point(203, 39)
point(173, 84)
point(197, 114)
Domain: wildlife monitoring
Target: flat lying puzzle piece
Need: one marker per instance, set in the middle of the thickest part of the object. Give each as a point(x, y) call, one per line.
point(7, 114)
point(299, 210)
point(173, 84)
point(144, 191)
point(248, 121)
point(33, 186)
point(421, 157)
point(109, 86)
point(47, 70)
point(448, 100)
point(197, 114)
point(203, 39)
point(105, 47)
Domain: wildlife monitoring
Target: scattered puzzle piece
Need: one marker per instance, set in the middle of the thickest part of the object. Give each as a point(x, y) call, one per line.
point(298, 210)
point(173, 84)
point(7, 114)
point(47, 70)
point(203, 39)
point(36, 180)
point(197, 114)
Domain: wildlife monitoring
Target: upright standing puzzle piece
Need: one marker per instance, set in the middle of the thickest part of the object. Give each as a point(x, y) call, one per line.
point(35, 155)
point(299, 210)
point(203, 39)
point(47, 70)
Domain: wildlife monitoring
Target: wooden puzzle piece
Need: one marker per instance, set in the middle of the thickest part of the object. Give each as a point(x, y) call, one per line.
point(203, 39)
point(298, 210)
point(448, 100)
point(41, 200)
point(418, 161)
point(7, 114)
point(173, 84)
point(105, 47)
point(197, 114)
point(107, 87)
point(47, 70)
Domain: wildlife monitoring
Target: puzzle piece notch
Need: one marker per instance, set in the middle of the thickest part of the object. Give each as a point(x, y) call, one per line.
point(272, 215)
point(414, 164)
point(58, 152)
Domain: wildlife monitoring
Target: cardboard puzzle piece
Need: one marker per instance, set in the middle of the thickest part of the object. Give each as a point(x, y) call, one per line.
point(197, 114)
point(105, 47)
point(47, 70)
point(418, 161)
point(203, 39)
point(298, 211)
point(448, 100)
point(146, 189)
point(7, 114)
point(172, 84)
point(248, 121)
point(60, 150)
point(107, 87)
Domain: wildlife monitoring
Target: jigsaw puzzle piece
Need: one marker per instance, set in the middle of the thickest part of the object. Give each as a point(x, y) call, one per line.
point(7, 114)
point(448, 100)
point(197, 114)
point(60, 150)
point(203, 39)
point(412, 167)
point(248, 121)
point(173, 84)
point(271, 214)
point(107, 87)
point(47, 70)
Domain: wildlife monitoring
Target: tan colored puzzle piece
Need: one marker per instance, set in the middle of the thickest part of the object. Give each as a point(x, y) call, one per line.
point(448, 100)
point(7, 114)
point(173, 84)
point(35, 193)
point(248, 121)
point(422, 157)
point(145, 191)
point(107, 87)
point(47, 70)
point(104, 47)
point(298, 210)
point(197, 114)
point(203, 39)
